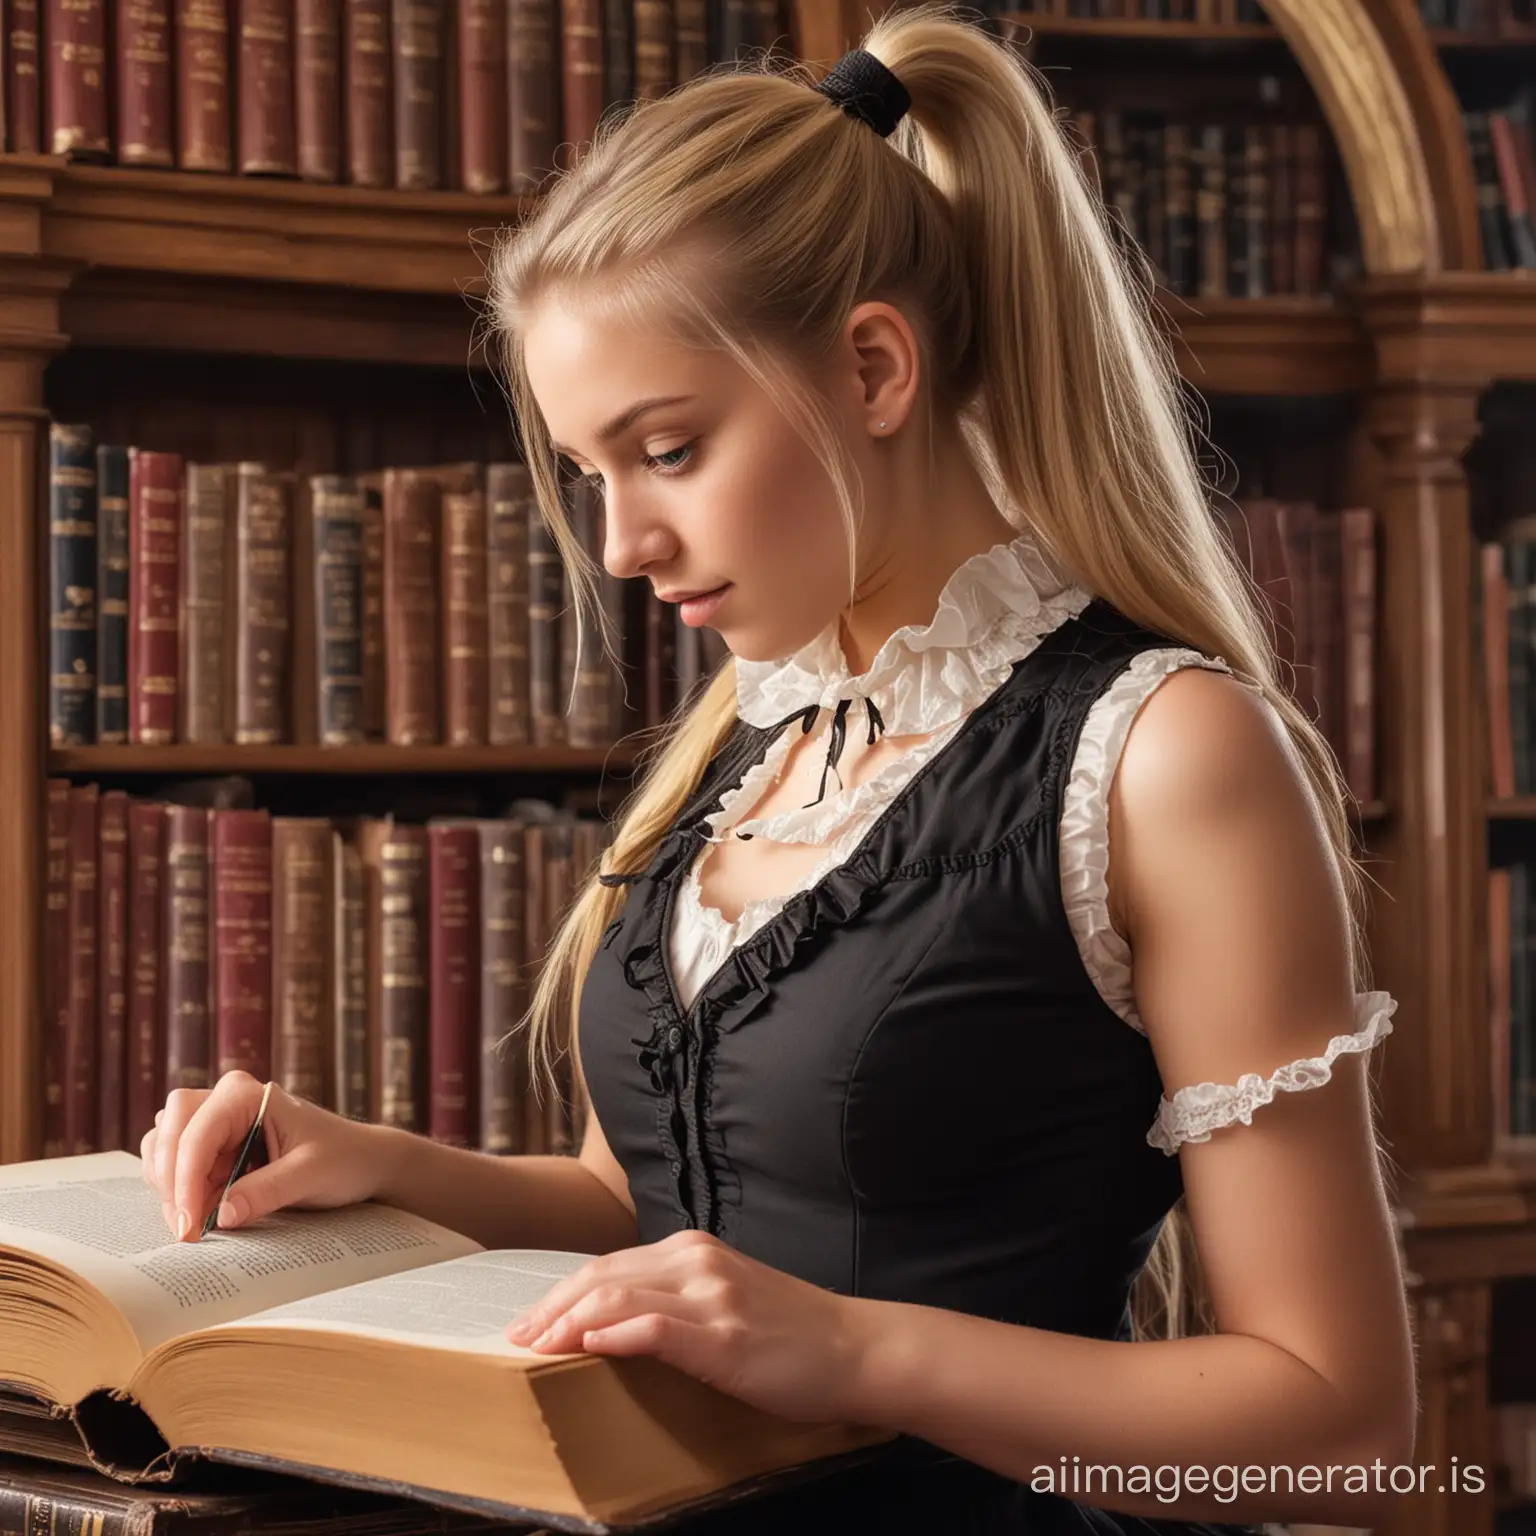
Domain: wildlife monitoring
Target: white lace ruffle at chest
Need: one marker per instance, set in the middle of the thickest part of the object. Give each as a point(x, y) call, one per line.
point(995, 610)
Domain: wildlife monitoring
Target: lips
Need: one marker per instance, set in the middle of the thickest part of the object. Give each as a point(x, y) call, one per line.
point(688, 597)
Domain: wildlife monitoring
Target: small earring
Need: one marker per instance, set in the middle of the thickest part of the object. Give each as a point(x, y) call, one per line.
point(882, 426)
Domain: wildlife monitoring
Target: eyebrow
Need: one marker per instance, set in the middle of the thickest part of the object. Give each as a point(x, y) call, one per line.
point(626, 419)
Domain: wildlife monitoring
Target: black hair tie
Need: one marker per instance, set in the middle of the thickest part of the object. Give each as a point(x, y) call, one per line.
point(864, 88)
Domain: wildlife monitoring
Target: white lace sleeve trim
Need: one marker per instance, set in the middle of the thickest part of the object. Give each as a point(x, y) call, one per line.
point(1084, 839)
point(1194, 1112)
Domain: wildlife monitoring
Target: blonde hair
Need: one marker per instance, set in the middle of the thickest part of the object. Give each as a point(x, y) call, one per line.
point(746, 213)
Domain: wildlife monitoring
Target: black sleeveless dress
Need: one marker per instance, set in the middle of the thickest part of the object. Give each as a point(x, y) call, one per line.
point(905, 1085)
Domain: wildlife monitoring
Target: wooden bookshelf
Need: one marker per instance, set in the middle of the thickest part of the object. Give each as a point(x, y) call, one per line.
point(1140, 30)
point(365, 759)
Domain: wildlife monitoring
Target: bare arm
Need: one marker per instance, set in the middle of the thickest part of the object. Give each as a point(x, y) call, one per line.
point(1222, 882)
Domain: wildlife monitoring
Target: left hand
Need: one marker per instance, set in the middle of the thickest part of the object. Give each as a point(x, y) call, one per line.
point(784, 1345)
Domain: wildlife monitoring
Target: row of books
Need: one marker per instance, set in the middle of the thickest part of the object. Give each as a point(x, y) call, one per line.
point(412, 94)
point(1504, 164)
point(1512, 998)
point(1235, 209)
point(1212, 12)
point(1506, 615)
point(1316, 571)
point(1515, 1427)
point(209, 603)
point(368, 965)
point(1486, 18)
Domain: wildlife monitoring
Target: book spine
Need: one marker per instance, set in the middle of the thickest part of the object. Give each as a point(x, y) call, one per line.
point(205, 608)
point(655, 32)
point(400, 1068)
point(266, 123)
point(1209, 170)
point(72, 562)
point(454, 993)
point(582, 656)
point(146, 827)
point(558, 844)
point(317, 71)
point(483, 94)
point(203, 141)
point(534, 115)
point(536, 937)
point(263, 520)
point(692, 19)
point(416, 33)
point(75, 102)
point(56, 967)
point(302, 902)
point(369, 93)
point(112, 970)
point(111, 595)
point(413, 676)
point(350, 1069)
point(242, 940)
point(466, 631)
point(81, 1058)
point(509, 493)
point(581, 69)
point(23, 104)
point(337, 509)
point(1309, 178)
point(154, 565)
point(188, 1028)
point(546, 591)
point(144, 83)
point(1282, 210)
point(372, 547)
point(503, 987)
point(1359, 573)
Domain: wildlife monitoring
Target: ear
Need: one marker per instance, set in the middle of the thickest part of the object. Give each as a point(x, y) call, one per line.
point(885, 350)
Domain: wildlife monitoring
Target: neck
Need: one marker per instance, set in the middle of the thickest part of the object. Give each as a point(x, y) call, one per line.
point(937, 523)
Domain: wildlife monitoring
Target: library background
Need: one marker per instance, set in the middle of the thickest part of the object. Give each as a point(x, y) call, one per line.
point(284, 658)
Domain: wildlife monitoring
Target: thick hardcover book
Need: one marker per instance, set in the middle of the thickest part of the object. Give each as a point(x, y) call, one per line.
point(111, 595)
point(618, 43)
point(82, 1092)
point(23, 99)
point(349, 975)
point(56, 966)
point(373, 694)
point(655, 48)
point(416, 31)
point(454, 990)
point(337, 509)
point(412, 606)
point(317, 68)
point(266, 127)
point(395, 858)
point(72, 563)
point(692, 20)
point(534, 109)
point(112, 968)
point(483, 94)
point(203, 138)
point(154, 579)
point(263, 622)
point(146, 1029)
point(509, 494)
point(581, 69)
point(369, 72)
point(144, 112)
point(504, 987)
point(75, 102)
point(546, 597)
point(363, 1346)
point(187, 914)
point(586, 674)
point(208, 604)
point(303, 904)
point(241, 865)
point(466, 633)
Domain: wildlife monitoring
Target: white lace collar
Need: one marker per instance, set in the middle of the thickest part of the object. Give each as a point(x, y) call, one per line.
point(994, 609)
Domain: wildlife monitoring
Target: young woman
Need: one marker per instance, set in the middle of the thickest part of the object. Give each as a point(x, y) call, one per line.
point(993, 896)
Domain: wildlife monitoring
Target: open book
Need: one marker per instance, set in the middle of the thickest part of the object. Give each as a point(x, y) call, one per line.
point(362, 1346)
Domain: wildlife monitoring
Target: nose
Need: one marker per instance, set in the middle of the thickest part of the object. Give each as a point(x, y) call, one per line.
point(634, 536)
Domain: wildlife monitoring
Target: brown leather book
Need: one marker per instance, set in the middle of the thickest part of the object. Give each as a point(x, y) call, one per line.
point(317, 88)
point(369, 66)
point(337, 514)
point(241, 871)
point(263, 530)
point(558, 839)
point(187, 981)
point(395, 859)
point(587, 841)
point(1267, 560)
point(1360, 605)
point(454, 991)
point(207, 602)
point(503, 987)
point(23, 99)
point(1298, 532)
point(692, 22)
point(536, 937)
point(416, 34)
point(581, 69)
point(1310, 207)
point(303, 901)
point(534, 111)
point(266, 127)
point(412, 607)
point(655, 48)
point(112, 970)
point(546, 597)
point(1282, 209)
point(509, 495)
point(616, 28)
point(586, 675)
point(56, 967)
point(1327, 584)
point(373, 691)
point(1495, 647)
point(466, 632)
point(144, 113)
point(154, 586)
point(482, 59)
point(146, 1057)
point(1209, 168)
point(82, 1092)
point(203, 139)
point(75, 100)
point(350, 1064)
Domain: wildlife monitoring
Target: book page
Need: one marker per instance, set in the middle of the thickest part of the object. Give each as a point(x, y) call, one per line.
point(98, 1216)
point(462, 1304)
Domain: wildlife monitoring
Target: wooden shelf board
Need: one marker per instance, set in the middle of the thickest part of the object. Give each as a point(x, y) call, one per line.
point(1460, 328)
point(1140, 29)
point(1512, 808)
point(366, 759)
point(1447, 37)
point(1272, 346)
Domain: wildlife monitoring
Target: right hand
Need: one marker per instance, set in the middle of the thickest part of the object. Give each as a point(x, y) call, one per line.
point(316, 1160)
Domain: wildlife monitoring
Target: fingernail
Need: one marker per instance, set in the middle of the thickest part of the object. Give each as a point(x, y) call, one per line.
point(183, 1225)
point(232, 1211)
point(542, 1339)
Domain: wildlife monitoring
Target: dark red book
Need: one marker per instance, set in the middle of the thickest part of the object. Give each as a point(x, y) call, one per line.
point(203, 141)
point(242, 940)
point(146, 1086)
point(368, 56)
point(454, 1031)
point(55, 941)
point(112, 970)
point(144, 83)
point(75, 101)
point(23, 103)
point(81, 1058)
point(266, 128)
point(154, 585)
point(317, 87)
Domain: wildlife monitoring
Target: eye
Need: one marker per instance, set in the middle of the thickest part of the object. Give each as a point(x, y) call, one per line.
point(658, 463)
